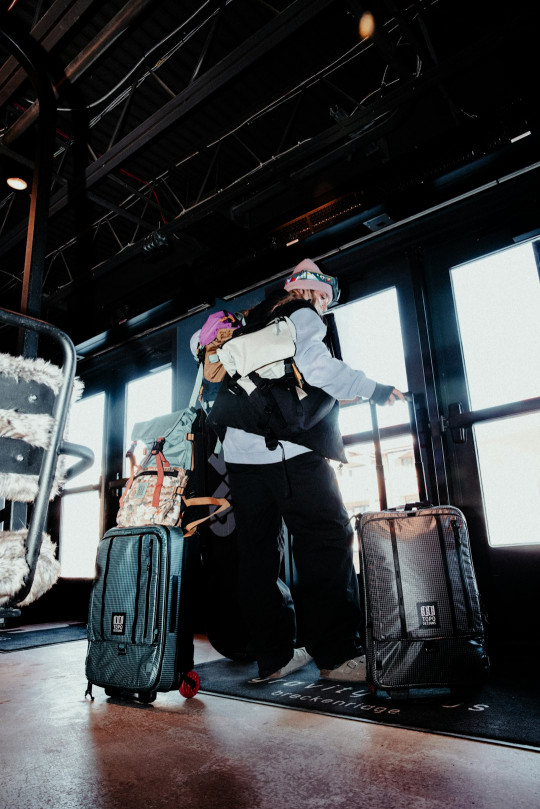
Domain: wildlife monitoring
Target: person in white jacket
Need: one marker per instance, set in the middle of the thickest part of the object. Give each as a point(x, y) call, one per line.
point(296, 484)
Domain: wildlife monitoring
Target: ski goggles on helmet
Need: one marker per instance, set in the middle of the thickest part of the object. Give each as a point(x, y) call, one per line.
point(306, 279)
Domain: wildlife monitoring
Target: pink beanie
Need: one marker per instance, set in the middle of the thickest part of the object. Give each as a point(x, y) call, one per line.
point(302, 278)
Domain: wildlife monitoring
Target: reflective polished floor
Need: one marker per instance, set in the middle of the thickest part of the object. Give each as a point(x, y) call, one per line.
point(62, 751)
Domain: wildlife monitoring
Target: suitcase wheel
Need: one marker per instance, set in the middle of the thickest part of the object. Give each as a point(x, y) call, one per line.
point(147, 696)
point(190, 684)
point(114, 692)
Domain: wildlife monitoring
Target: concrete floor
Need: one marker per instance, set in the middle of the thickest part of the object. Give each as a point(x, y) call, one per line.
point(60, 750)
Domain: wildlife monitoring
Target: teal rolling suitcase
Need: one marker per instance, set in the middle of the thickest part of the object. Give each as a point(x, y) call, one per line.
point(140, 621)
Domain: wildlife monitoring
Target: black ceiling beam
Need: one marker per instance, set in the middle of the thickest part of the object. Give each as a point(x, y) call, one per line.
point(134, 192)
point(109, 206)
point(239, 60)
point(207, 44)
point(331, 136)
point(342, 139)
point(235, 63)
point(168, 313)
point(329, 146)
point(420, 46)
point(83, 61)
point(48, 32)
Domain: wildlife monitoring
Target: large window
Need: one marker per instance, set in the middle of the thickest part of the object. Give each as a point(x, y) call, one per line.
point(498, 306)
point(147, 397)
point(80, 522)
point(81, 528)
point(370, 338)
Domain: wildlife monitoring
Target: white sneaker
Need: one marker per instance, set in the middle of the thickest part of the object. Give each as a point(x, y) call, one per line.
point(299, 659)
point(352, 671)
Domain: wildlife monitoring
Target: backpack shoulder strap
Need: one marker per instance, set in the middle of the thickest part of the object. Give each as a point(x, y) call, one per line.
point(197, 387)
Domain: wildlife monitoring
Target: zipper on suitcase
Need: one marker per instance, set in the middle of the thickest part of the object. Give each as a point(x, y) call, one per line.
point(447, 578)
point(173, 604)
point(149, 571)
point(459, 551)
point(137, 591)
point(399, 586)
point(163, 579)
point(107, 563)
point(159, 578)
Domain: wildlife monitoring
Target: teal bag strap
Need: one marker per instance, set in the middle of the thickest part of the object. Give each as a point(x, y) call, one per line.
point(197, 386)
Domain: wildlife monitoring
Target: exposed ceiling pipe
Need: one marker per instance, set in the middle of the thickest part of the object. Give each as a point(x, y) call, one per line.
point(283, 26)
point(48, 32)
point(82, 61)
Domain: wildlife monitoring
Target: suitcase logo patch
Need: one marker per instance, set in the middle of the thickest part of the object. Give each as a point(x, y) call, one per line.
point(118, 623)
point(428, 615)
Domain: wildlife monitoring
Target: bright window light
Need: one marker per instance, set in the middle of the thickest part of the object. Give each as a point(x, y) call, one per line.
point(498, 307)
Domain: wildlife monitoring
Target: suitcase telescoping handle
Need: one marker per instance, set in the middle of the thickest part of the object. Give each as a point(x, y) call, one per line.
point(415, 435)
point(419, 467)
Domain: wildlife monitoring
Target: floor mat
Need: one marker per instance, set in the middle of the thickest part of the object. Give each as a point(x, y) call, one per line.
point(13, 640)
point(502, 711)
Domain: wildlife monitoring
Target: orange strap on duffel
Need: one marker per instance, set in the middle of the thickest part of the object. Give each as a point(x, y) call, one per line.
point(204, 501)
point(133, 468)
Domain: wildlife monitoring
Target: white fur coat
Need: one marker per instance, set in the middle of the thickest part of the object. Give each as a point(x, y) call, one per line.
point(13, 566)
point(35, 429)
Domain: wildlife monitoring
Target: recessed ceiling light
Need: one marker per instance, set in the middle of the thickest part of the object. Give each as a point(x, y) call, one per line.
point(17, 183)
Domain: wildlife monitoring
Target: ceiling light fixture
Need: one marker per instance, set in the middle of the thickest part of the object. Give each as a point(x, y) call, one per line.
point(17, 183)
point(519, 137)
point(366, 26)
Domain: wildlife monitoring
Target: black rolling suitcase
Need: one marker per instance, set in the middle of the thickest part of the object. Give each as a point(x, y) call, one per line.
point(140, 621)
point(424, 626)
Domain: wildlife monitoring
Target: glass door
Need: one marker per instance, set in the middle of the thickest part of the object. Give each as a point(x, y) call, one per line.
point(370, 339)
point(372, 336)
point(497, 302)
point(485, 321)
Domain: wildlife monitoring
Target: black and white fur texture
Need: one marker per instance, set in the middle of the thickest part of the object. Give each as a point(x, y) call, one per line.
point(13, 566)
point(35, 429)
